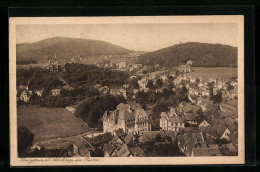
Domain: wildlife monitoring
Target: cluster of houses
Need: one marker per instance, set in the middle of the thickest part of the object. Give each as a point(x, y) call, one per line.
point(186, 68)
point(113, 91)
point(200, 131)
point(127, 127)
point(25, 93)
point(194, 125)
point(116, 144)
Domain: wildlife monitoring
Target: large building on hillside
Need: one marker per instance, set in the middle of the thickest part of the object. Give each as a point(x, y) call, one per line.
point(130, 117)
point(55, 65)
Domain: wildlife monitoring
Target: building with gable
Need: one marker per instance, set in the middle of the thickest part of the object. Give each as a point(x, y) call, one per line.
point(171, 121)
point(130, 117)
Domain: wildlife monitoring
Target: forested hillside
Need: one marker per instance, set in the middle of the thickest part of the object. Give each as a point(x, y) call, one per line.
point(202, 55)
point(66, 48)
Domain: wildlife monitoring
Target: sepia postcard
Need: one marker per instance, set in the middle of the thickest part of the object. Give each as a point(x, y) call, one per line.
point(140, 90)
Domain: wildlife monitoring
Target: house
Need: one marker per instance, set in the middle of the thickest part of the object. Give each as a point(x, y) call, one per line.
point(25, 97)
point(39, 93)
point(191, 118)
point(186, 108)
point(120, 133)
point(228, 106)
point(97, 86)
point(204, 103)
point(203, 123)
point(71, 109)
point(117, 139)
point(189, 62)
point(55, 92)
point(82, 148)
point(185, 68)
point(193, 80)
point(109, 150)
point(190, 140)
point(171, 121)
point(124, 152)
point(193, 91)
point(130, 117)
point(136, 151)
point(125, 86)
point(218, 132)
point(205, 92)
point(229, 109)
point(121, 65)
point(128, 138)
point(118, 92)
point(150, 135)
point(164, 78)
point(143, 82)
point(23, 87)
point(199, 152)
point(55, 65)
point(100, 140)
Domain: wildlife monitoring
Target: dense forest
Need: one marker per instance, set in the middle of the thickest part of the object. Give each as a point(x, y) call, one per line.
point(79, 75)
point(37, 78)
point(66, 48)
point(92, 109)
point(202, 55)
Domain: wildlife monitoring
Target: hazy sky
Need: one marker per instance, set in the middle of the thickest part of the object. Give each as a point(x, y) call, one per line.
point(140, 37)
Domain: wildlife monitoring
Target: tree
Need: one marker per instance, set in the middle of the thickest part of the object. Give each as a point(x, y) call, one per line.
point(182, 95)
point(215, 98)
point(134, 83)
point(158, 138)
point(162, 107)
point(149, 84)
point(159, 83)
point(25, 139)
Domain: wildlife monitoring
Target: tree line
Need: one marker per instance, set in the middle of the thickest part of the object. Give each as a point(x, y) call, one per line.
point(92, 109)
point(80, 75)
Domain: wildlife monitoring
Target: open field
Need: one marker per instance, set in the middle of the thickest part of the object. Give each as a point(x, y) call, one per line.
point(50, 123)
point(216, 72)
point(213, 72)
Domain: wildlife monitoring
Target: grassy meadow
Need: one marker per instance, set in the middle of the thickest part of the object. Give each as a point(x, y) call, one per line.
point(50, 123)
point(215, 72)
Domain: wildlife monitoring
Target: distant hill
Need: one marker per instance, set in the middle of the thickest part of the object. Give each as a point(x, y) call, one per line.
point(66, 48)
point(202, 55)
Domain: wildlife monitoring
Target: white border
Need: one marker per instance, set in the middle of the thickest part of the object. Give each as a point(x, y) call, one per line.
point(15, 161)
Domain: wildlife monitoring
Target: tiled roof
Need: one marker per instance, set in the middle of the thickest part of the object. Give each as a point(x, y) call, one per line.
point(152, 134)
point(109, 148)
point(115, 139)
point(128, 138)
point(100, 139)
point(117, 145)
point(206, 152)
point(124, 151)
point(136, 151)
point(83, 147)
point(191, 117)
point(176, 119)
point(216, 130)
point(120, 132)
